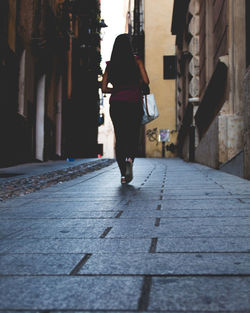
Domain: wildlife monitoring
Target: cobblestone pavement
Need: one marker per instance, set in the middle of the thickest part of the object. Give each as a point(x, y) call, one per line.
point(177, 239)
point(44, 177)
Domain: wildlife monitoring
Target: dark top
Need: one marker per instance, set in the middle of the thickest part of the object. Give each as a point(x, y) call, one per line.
point(126, 92)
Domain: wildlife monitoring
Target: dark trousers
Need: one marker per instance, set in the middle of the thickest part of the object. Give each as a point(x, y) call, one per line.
point(126, 118)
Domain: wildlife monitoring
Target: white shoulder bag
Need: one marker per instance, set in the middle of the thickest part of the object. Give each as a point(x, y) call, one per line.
point(150, 110)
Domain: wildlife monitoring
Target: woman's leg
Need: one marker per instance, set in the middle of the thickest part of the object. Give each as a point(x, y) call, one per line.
point(117, 111)
point(126, 118)
point(133, 130)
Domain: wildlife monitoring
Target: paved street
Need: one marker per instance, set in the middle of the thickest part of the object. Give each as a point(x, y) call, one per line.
point(176, 239)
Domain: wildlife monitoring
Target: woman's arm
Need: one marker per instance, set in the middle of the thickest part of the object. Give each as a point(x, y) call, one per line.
point(105, 88)
point(143, 72)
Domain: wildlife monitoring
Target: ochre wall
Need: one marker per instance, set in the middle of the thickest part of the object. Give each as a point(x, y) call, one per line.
point(158, 43)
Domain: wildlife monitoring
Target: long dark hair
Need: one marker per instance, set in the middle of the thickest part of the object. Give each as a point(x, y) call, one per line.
point(122, 68)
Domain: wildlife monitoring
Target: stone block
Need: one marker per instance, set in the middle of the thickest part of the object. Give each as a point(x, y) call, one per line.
point(213, 294)
point(196, 244)
point(168, 264)
point(198, 231)
point(194, 87)
point(180, 213)
point(62, 229)
point(193, 47)
point(194, 25)
point(75, 246)
point(194, 66)
point(194, 7)
point(38, 264)
point(70, 293)
point(207, 221)
point(205, 204)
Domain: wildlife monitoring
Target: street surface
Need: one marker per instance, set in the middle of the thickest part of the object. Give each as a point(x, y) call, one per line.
point(176, 239)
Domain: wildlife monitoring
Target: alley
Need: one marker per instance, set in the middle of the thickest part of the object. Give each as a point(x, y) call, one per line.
point(177, 239)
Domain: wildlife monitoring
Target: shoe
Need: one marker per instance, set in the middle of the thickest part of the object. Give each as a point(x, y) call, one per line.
point(123, 180)
point(129, 171)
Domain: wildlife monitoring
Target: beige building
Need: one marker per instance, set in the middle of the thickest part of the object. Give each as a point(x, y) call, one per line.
point(159, 59)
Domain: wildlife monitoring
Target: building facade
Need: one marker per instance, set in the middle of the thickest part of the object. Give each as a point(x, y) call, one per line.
point(160, 65)
point(149, 26)
point(49, 63)
point(212, 48)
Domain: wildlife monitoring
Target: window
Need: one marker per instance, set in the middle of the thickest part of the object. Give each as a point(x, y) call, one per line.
point(169, 67)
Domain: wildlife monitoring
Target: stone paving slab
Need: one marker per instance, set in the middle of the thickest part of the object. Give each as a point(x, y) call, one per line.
point(38, 264)
point(179, 230)
point(15, 229)
point(72, 228)
point(98, 311)
point(85, 194)
point(221, 204)
point(64, 230)
point(203, 197)
point(66, 293)
point(212, 294)
point(177, 239)
point(141, 205)
point(169, 213)
point(14, 203)
point(62, 200)
point(85, 205)
point(57, 214)
point(206, 244)
point(206, 231)
point(169, 264)
point(198, 192)
point(94, 311)
point(131, 311)
point(63, 246)
point(241, 189)
point(207, 221)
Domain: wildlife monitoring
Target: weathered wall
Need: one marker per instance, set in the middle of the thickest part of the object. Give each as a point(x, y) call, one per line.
point(207, 152)
point(12, 25)
point(247, 126)
point(185, 149)
point(230, 136)
point(160, 42)
point(25, 22)
point(230, 49)
point(234, 166)
point(231, 120)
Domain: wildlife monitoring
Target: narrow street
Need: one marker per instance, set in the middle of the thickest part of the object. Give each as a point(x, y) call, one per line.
point(177, 239)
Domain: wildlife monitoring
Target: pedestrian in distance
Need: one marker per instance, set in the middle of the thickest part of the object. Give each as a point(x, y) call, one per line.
point(127, 74)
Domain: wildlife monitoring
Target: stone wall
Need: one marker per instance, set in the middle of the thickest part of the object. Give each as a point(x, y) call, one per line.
point(207, 152)
point(247, 125)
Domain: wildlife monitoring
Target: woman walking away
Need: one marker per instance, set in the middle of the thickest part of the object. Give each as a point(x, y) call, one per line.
point(126, 73)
